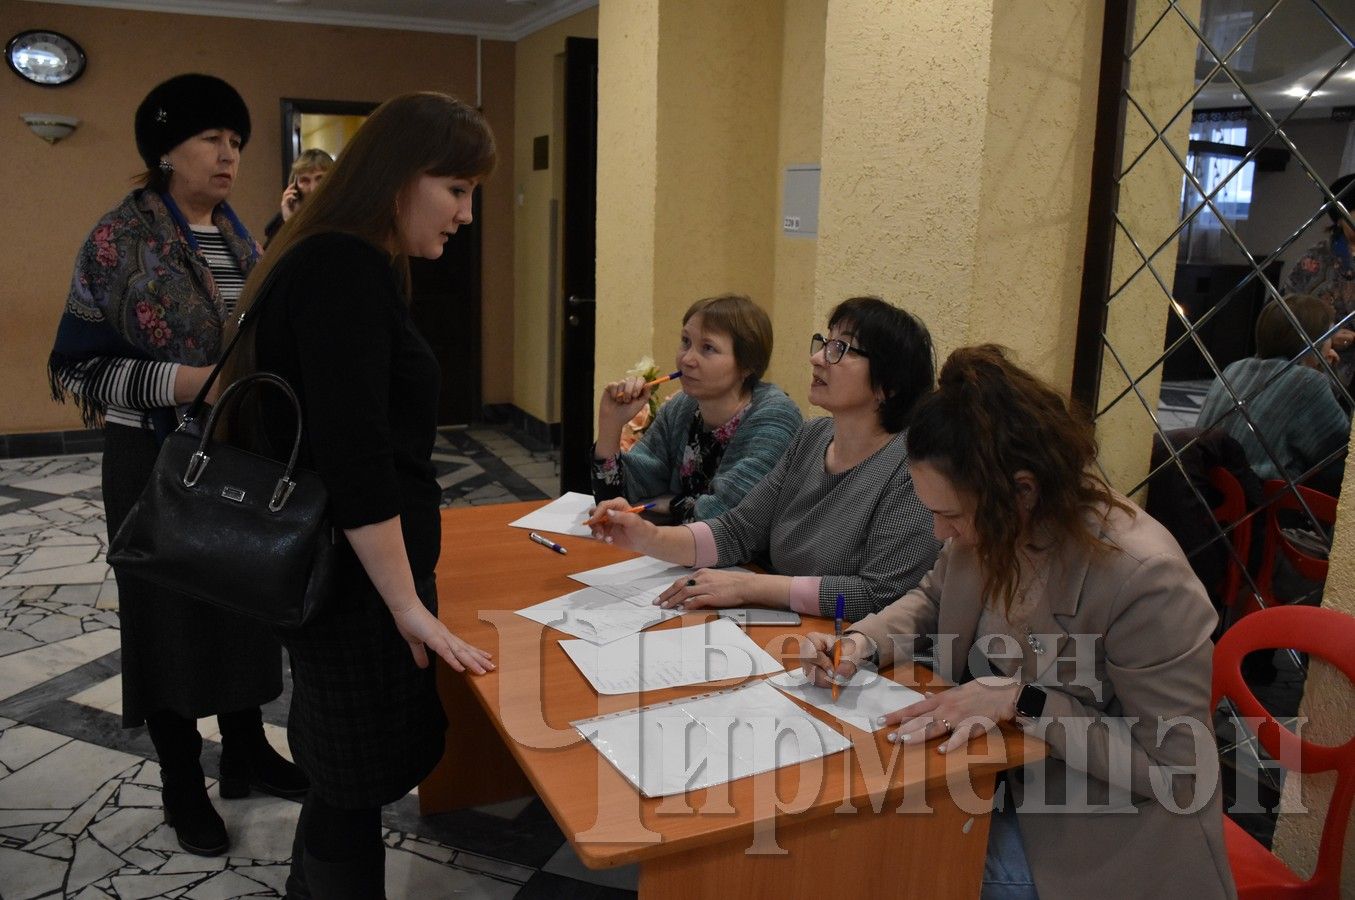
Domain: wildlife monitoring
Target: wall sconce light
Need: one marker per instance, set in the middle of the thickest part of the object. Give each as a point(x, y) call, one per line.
point(49, 126)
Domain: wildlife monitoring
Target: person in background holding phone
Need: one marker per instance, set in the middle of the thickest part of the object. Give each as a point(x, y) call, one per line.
point(307, 173)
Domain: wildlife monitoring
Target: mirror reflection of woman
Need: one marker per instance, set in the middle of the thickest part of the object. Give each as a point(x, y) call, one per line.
point(715, 439)
point(1327, 271)
point(154, 284)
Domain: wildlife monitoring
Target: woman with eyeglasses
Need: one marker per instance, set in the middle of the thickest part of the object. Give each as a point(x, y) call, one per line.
point(837, 515)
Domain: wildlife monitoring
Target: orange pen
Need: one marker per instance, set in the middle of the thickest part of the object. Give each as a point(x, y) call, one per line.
point(597, 519)
point(662, 379)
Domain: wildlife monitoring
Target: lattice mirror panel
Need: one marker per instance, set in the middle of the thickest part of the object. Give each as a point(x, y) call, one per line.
point(1218, 404)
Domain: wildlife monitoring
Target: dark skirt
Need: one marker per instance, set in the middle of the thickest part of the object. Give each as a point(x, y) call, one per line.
point(178, 654)
point(366, 724)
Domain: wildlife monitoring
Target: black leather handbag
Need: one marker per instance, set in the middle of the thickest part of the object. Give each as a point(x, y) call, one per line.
point(230, 528)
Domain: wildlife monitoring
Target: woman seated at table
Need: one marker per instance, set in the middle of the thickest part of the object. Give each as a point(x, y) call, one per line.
point(1294, 422)
point(837, 515)
point(1038, 549)
point(712, 442)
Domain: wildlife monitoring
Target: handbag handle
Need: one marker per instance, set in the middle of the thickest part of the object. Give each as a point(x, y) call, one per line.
point(197, 463)
point(195, 408)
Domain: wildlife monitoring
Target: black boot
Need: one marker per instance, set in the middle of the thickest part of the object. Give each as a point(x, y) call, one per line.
point(296, 887)
point(187, 809)
point(248, 760)
point(359, 878)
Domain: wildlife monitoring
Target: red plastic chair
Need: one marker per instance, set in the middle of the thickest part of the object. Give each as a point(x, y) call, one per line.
point(1321, 632)
point(1232, 510)
point(1280, 497)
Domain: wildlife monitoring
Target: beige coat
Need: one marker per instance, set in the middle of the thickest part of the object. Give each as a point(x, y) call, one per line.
point(1145, 658)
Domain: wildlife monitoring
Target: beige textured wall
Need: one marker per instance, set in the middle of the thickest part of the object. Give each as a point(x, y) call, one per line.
point(1330, 713)
point(57, 193)
point(1035, 180)
point(535, 342)
point(716, 209)
point(905, 98)
point(628, 136)
point(695, 128)
point(800, 137)
point(957, 185)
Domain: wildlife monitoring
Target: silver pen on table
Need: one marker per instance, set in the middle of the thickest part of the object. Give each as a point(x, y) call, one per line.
point(546, 542)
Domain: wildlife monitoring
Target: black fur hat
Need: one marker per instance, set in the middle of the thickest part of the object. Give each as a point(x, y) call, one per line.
point(183, 106)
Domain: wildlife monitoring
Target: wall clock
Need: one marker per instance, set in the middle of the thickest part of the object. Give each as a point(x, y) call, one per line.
point(46, 58)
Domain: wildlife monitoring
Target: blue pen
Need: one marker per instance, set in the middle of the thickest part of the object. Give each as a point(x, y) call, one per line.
point(838, 615)
point(546, 542)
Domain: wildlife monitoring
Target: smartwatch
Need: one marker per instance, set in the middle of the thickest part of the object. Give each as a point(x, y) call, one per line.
point(1030, 702)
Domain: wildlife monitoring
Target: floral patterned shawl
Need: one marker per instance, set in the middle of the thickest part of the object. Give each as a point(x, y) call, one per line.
point(142, 289)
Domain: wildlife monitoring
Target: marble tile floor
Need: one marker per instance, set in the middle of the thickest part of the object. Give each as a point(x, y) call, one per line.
point(80, 812)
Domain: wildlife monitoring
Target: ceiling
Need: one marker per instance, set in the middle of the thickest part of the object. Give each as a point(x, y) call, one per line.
point(508, 20)
point(1297, 43)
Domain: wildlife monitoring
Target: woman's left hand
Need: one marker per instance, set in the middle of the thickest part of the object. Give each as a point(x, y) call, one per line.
point(421, 629)
point(959, 713)
point(709, 588)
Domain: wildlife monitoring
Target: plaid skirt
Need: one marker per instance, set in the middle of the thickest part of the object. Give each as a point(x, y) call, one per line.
point(366, 724)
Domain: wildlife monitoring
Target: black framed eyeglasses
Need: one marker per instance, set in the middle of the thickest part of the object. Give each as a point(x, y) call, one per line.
point(833, 350)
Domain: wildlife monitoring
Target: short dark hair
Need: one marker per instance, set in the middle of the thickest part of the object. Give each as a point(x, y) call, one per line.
point(746, 325)
point(1276, 336)
point(899, 348)
point(1342, 185)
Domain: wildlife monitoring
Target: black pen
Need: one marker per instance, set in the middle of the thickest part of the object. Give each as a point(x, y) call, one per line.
point(546, 542)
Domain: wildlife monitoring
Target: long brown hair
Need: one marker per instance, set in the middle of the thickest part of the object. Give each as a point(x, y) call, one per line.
point(989, 419)
point(424, 133)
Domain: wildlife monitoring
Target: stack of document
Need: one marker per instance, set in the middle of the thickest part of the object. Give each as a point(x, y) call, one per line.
point(709, 739)
point(712, 651)
point(618, 602)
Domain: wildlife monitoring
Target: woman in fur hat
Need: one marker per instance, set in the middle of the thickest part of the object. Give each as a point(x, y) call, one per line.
point(154, 284)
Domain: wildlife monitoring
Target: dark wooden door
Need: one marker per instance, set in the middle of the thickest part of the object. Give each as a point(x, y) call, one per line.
point(579, 255)
point(446, 308)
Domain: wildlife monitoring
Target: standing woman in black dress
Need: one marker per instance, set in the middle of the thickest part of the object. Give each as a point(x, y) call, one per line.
point(366, 724)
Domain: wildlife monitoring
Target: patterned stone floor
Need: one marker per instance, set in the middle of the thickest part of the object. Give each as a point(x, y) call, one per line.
point(80, 812)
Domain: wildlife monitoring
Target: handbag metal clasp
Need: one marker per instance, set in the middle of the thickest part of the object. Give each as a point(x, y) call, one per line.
point(196, 465)
point(281, 493)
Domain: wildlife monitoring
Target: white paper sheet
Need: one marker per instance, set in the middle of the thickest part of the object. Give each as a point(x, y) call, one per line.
point(596, 616)
point(711, 651)
point(860, 702)
point(565, 515)
point(638, 580)
point(697, 742)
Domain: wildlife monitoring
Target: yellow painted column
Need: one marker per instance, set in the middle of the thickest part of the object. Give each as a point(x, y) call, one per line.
point(1329, 716)
point(801, 131)
point(687, 150)
point(627, 192)
point(1161, 77)
point(957, 146)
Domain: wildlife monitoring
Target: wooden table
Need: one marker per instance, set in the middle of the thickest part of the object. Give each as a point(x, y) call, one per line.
point(878, 817)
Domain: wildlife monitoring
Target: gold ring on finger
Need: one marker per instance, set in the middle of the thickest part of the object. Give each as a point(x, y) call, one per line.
point(945, 723)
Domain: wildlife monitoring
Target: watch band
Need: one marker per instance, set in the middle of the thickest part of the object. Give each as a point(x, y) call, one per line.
point(1030, 701)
